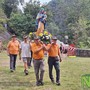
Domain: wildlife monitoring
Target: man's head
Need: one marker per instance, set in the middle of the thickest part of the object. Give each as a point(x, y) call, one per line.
point(25, 38)
point(14, 37)
point(54, 39)
point(36, 39)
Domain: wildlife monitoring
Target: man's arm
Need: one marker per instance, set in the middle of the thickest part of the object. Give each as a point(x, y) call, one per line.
point(20, 54)
point(49, 47)
point(20, 51)
point(59, 54)
point(36, 51)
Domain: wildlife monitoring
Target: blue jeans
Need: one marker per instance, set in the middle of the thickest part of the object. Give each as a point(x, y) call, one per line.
point(13, 61)
point(53, 61)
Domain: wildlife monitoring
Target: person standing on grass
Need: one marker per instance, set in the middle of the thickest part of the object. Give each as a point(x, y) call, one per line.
point(25, 53)
point(38, 55)
point(54, 59)
point(13, 50)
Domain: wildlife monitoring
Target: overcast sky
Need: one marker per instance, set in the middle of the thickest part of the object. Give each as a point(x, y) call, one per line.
point(42, 1)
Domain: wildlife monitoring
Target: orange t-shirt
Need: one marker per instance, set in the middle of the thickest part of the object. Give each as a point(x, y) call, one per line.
point(13, 47)
point(54, 51)
point(38, 55)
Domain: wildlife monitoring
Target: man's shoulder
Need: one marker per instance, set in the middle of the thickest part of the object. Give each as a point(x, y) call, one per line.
point(33, 44)
point(10, 42)
point(17, 42)
point(57, 45)
point(22, 42)
point(48, 45)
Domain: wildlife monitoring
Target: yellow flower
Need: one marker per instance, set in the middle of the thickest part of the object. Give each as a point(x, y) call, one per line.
point(50, 35)
point(41, 34)
point(45, 33)
point(30, 34)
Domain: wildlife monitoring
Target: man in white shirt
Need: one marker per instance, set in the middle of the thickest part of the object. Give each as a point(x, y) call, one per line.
point(25, 53)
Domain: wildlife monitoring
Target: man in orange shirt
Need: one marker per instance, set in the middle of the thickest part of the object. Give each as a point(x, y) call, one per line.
point(54, 59)
point(12, 50)
point(38, 55)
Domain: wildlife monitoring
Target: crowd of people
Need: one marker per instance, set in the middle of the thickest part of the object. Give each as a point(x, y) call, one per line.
point(34, 50)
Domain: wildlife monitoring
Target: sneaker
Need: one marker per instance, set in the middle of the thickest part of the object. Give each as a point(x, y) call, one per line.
point(58, 83)
point(26, 72)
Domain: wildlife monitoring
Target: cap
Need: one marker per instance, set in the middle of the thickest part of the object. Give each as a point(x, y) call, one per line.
point(13, 35)
point(36, 37)
point(54, 38)
point(25, 37)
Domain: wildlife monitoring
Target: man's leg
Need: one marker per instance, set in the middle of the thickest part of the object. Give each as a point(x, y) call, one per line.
point(11, 62)
point(28, 62)
point(57, 68)
point(50, 64)
point(31, 59)
point(14, 62)
point(25, 65)
point(42, 69)
point(36, 69)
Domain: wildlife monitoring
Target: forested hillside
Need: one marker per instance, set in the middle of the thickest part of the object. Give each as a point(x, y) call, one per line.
point(72, 18)
point(4, 35)
point(2, 18)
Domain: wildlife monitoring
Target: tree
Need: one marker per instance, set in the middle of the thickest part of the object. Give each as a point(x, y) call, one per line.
point(23, 23)
point(10, 6)
point(71, 17)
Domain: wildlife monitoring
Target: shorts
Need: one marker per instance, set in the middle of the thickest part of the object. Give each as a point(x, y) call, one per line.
point(25, 59)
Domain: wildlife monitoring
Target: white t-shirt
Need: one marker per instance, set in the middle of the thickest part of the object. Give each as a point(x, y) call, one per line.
point(25, 49)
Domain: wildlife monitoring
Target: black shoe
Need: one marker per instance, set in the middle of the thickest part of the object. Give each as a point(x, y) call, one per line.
point(53, 81)
point(41, 83)
point(38, 84)
point(26, 72)
point(58, 83)
point(11, 70)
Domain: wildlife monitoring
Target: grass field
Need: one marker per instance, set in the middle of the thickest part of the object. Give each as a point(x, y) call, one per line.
point(71, 71)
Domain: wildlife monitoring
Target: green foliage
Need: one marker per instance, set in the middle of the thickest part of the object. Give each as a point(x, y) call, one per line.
point(32, 9)
point(53, 28)
point(21, 24)
point(72, 17)
point(3, 20)
point(10, 6)
point(2, 29)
